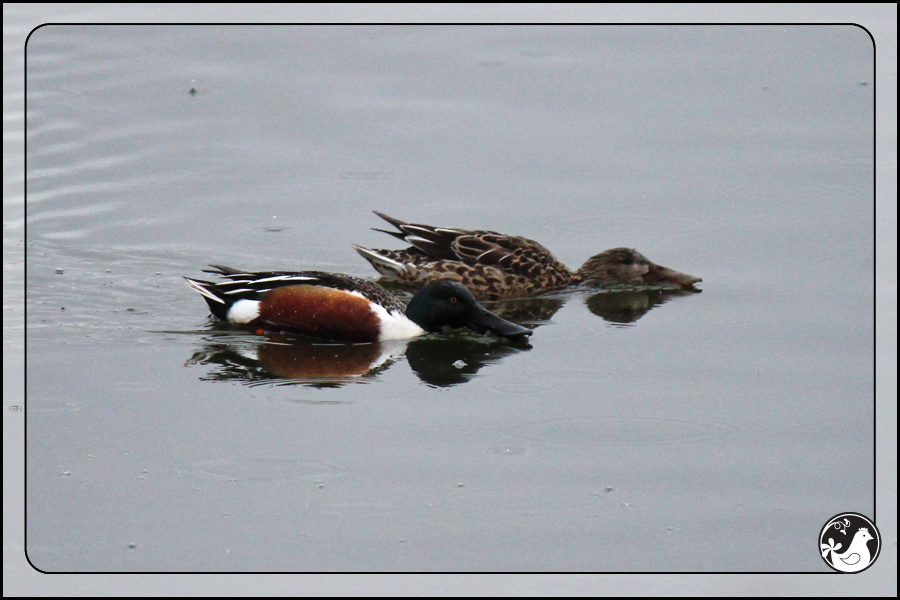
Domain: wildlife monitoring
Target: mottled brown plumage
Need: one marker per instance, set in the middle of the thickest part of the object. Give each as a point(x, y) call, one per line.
point(497, 266)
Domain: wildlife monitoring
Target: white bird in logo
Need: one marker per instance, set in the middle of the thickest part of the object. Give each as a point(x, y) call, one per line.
point(855, 558)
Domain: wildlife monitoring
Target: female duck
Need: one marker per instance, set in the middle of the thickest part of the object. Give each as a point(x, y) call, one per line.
point(497, 266)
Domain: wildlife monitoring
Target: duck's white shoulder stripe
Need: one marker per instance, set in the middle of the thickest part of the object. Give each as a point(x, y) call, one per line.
point(394, 325)
point(277, 278)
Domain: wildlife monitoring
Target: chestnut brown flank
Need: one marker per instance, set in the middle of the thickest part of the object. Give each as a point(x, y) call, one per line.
point(320, 312)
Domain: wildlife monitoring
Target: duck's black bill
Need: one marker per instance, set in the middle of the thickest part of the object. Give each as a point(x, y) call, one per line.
point(484, 321)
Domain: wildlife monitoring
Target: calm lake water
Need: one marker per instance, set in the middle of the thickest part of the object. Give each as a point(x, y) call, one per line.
point(637, 432)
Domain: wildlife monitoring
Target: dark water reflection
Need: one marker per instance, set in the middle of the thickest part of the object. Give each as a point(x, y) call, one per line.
point(627, 307)
point(619, 304)
point(439, 361)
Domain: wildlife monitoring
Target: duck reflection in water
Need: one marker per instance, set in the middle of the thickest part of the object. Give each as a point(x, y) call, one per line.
point(287, 360)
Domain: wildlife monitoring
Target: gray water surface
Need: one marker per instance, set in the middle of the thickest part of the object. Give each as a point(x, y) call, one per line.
point(734, 422)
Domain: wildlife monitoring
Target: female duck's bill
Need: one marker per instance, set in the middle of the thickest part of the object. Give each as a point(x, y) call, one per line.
point(338, 307)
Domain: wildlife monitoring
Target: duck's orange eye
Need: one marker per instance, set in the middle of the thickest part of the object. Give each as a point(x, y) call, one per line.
point(453, 299)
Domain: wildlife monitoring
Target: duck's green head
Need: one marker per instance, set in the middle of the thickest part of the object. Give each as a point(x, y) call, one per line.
point(449, 304)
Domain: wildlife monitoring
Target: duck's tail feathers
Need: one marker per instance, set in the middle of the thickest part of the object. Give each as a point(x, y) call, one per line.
point(204, 288)
point(400, 235)
point(385, 266)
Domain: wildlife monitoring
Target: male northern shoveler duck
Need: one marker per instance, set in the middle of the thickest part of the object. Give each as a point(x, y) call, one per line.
point(343, 308)
point(497, 266)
